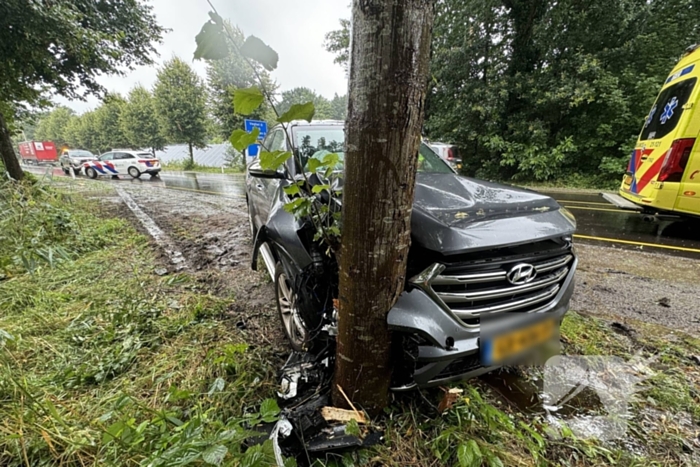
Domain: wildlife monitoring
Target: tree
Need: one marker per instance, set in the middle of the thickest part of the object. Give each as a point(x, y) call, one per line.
point(82, 132)
point(339, 107)
point(107, 124)
point(139, 122)
point(53, 126)
point(64, 46)
point(338, 42)
point(180, 100)
point(383, 135)
point(303, 95)
point(226, 75)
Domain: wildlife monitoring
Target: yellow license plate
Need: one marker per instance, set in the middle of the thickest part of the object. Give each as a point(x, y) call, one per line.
point(513, 343)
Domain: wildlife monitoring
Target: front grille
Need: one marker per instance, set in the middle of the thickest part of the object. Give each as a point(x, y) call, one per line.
point(473, 290)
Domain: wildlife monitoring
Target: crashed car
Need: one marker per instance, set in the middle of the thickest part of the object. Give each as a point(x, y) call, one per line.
point(491, 267)
point(73, 159)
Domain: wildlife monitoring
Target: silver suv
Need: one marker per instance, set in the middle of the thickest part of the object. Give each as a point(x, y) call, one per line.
point(491, 267)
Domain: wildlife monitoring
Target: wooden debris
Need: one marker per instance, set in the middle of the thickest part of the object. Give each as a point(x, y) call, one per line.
point(333, 414)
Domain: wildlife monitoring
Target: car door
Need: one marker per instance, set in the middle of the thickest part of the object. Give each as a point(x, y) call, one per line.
point(103, 165)
point(124, 160)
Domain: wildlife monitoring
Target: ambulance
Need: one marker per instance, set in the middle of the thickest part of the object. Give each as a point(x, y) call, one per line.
point(663, 175)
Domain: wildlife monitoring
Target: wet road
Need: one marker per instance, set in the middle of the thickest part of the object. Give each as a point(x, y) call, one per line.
point(599, 222)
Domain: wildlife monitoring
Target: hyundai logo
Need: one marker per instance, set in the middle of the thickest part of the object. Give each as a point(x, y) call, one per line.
point(521, 274)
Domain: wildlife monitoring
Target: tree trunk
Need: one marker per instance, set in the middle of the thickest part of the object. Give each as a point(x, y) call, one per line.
point(191, 154)
point(388, 78)
point(7, 154)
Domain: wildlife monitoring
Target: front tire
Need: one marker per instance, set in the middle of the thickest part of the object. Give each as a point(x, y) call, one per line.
point(134, 172)
point(91, 173)
point(292, 323)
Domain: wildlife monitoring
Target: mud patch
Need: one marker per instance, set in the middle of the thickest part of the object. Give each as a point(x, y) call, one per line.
point(213, 234)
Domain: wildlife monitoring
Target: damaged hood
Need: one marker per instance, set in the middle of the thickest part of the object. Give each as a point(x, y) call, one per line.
point(454, 214)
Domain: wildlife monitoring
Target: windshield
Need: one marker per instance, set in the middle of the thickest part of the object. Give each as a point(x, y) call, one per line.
point(80, 154)
point(317, 142)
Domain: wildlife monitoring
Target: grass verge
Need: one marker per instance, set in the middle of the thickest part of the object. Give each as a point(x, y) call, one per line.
point(187, 166)
point(103, 362)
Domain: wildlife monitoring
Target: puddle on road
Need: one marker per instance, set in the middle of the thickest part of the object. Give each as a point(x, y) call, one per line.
point(226, 185)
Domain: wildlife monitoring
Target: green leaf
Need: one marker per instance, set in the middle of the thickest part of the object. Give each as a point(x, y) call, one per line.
point(246, 100)
point(469, 454)
point(298, 112)
point(272, 160)
point(211, 42)
point(313, 164)
point(292, 190)
point(113, 431)
point(320, 188)
point(214, 455)
point(297, 206)
point(262, 53)
point(241, 139)
point(217, 386)
point(331, 160)
point(269, 410)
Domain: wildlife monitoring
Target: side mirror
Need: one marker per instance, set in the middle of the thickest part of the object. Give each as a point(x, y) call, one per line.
point(256, 171)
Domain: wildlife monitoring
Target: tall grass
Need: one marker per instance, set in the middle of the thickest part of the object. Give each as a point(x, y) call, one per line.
point(102, 362)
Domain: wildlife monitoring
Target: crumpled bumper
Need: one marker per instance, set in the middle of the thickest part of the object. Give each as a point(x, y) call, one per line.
point(449, 349)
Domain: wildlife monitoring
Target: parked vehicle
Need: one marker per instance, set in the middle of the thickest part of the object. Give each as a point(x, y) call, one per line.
point(663, 174)
point(480, 251)
point(75, 158)
point(122, 162)
point(37, 152)
point(447, 152)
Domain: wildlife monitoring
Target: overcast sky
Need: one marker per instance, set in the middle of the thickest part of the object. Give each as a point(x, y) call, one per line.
point(294, 28)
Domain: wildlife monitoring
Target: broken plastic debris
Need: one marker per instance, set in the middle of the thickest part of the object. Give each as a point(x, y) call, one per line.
point(282, 428)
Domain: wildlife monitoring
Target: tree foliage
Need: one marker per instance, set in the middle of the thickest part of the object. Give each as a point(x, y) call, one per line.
point(139, 121)
point(334, 109)
point(180, 100)
point(54, 125)
point(227, 74)
point(64, 46)
point(548, 90)
point(544, 89)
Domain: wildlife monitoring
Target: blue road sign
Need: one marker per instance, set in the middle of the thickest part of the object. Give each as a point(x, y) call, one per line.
point(254, 149)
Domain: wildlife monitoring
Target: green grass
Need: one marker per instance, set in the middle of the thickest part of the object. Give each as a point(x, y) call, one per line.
point(186, 166)
point(103, 362)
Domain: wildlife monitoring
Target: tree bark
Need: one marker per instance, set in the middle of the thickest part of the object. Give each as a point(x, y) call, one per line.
point(191, 154)
point(388, 80)
point(7, 154)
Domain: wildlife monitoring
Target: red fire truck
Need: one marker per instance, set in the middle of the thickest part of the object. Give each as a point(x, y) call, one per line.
point(37, 152)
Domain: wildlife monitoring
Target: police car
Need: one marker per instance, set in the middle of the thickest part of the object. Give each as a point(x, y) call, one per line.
point(123, 162)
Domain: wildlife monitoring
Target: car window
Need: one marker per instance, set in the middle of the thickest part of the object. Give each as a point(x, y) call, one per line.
point(277, 142)
point(107, 156)
point(430, 162)
point(80, 154)
point(145, 155)
point(314, 142)
point(667, 110)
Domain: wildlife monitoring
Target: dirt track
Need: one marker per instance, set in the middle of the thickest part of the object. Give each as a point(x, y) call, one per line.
point(213, 235)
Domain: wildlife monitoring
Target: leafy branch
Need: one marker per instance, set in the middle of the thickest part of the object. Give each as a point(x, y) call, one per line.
point(212, 44)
